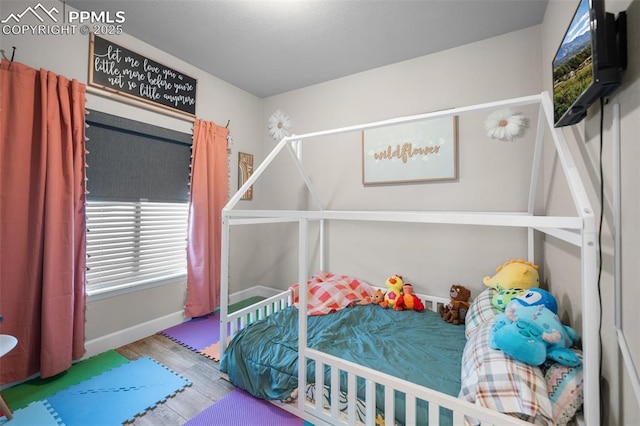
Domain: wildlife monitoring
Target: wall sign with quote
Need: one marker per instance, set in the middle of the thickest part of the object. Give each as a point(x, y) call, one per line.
point(245, 170)
point(410, 152)
point(117, 69)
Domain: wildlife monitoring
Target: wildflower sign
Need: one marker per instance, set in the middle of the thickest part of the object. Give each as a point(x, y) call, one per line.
point(410, 152)
point(116, 69)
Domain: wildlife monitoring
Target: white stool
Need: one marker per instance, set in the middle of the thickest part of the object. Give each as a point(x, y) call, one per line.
point(7, 343)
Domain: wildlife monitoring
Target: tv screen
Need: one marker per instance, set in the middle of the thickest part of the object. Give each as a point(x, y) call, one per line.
point(573, 63)
point(587, 65)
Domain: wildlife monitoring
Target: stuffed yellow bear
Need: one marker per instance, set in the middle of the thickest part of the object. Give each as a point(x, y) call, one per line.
point(394, 289)
point(514, 274)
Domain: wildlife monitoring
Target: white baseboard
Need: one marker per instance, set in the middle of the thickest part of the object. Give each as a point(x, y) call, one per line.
point(255, 291)
point(131, 334)
point(140, 331)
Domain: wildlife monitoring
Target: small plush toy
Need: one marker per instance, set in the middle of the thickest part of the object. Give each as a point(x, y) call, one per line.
point(408, 301)
point(514, 274)
point(394, 285)
point(501, 299)
point(538, 296)
point(456, 311)
point(377, 297)
point(533, 333)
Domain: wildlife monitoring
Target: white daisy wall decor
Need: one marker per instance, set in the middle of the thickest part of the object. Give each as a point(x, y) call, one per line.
point(505, 124)
point(279, 125)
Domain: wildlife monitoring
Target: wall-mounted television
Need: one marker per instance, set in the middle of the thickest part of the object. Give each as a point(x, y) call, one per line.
point(588, 64)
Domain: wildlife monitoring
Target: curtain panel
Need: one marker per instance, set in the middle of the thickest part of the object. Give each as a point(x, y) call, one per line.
point(209, 194)
point(42, 220)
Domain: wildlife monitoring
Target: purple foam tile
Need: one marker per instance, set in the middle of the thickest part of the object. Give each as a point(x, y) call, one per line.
point(254, 411)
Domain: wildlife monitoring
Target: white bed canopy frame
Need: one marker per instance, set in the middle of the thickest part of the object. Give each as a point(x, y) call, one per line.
point(578, 230)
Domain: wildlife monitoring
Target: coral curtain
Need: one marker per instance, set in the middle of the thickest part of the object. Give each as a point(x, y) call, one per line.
point(42, 220)
point(209, 194)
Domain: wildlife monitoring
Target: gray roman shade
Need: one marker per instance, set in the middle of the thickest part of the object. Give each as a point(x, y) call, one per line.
point(130, 161)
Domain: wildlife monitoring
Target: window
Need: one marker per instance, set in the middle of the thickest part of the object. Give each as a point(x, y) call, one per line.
point(137, 205)
point(133, 243)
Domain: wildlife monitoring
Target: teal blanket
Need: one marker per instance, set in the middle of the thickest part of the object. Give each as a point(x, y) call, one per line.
point(416, 346)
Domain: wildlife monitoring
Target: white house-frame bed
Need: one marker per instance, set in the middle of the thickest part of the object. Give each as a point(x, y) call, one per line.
point(579, 230)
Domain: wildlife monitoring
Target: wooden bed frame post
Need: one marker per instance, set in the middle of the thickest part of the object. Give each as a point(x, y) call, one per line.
point(224, 281)
point(533, 184)
point(591, 315)
point(303, 233)
point(323, 266)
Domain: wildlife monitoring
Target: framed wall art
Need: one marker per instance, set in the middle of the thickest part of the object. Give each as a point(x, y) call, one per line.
point(245, 169)
point(116, 69)
point(419, 151)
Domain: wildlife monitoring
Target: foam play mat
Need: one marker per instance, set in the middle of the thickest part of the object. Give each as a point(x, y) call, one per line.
point(212, 351)
point(202, 334)
point(110, 398)
point(197, 333)
point(36, 413)
point(21, 395)
point(254, 411)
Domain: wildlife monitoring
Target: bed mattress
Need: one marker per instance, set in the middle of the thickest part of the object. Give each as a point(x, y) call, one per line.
point(416, 346)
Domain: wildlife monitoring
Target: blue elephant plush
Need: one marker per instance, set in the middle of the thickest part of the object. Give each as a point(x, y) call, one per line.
point(533, 333)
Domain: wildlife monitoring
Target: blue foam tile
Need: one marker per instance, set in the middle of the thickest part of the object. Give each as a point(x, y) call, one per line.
point(37, 413)
point(118, 395)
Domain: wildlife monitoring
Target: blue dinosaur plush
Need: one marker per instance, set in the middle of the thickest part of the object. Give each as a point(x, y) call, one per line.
point(533, 333)
point(537, 296)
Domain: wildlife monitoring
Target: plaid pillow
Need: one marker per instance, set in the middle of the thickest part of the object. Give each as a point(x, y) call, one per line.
point(492, 379)
point(480, 311)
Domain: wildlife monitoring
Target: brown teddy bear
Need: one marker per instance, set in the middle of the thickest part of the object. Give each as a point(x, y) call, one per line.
point(457, 308)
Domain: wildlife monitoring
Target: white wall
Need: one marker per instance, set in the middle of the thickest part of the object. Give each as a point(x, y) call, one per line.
point(493, 175)
point(217, 101)
point(561, 262)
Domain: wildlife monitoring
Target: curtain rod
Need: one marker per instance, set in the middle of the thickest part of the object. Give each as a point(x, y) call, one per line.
point(13, 53)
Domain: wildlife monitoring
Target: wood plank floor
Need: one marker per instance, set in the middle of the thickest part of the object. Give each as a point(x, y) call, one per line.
point(207, 385)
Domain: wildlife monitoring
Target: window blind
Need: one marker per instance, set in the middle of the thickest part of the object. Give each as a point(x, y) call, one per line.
point(137, 205)
point(131, 243)
point(130, 160)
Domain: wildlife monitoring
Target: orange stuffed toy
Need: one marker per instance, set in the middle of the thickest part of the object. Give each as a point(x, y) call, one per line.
point(457, 308)
point(377, 297)
point(408, 301)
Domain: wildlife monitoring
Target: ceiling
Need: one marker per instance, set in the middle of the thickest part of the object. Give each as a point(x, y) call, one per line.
point(268, 47)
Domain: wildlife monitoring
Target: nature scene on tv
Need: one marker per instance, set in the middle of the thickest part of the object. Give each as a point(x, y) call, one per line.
point(573, 65)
